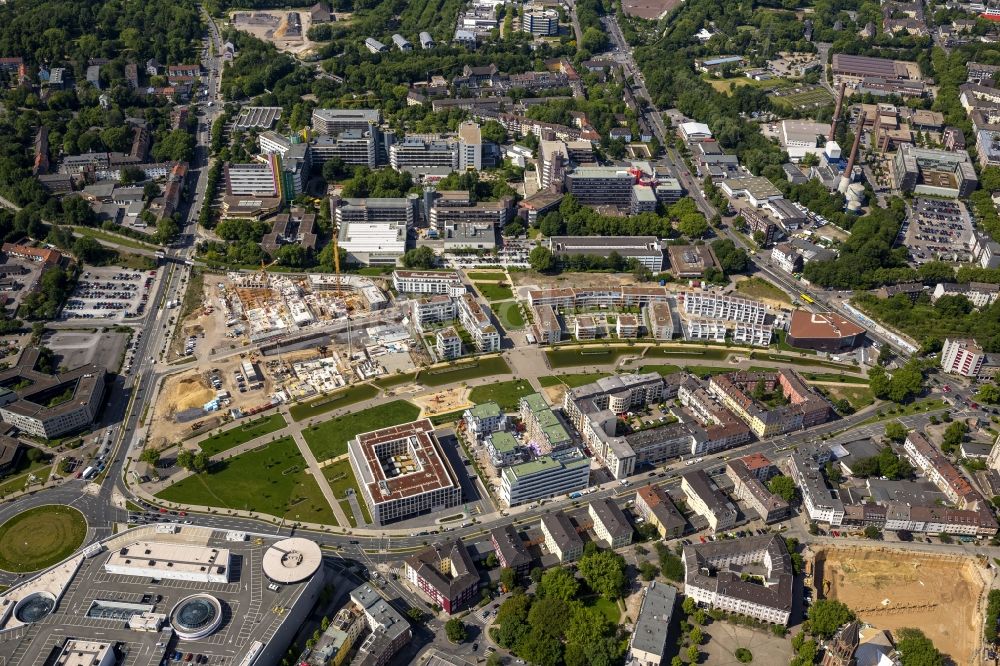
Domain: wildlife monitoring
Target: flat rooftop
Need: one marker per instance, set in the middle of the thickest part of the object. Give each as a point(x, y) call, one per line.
point(422, 466)
point(159, 557)
point(821, 325)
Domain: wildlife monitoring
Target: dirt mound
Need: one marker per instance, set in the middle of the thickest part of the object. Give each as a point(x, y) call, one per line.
point(187, 392)
point(891, 590)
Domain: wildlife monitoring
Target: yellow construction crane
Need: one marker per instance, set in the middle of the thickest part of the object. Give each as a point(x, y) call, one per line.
point(263, 272)
point(336, 260)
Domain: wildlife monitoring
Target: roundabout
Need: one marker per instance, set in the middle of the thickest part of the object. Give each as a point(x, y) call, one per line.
point(40, 537)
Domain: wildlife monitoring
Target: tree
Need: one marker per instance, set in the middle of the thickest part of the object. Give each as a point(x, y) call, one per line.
point(540, 648)
point(421, 257)
point(456, 630)
point(693, 226)
point(732, 259)
point(416, 615)
point(491, 561)
point(989, 393)
point(696, 636)
point(200, 462)
point(692, 654)
point(670, 565)
point(35, 455)
point(185, 459)
point(558, 582)
point(166, 229)
point(743, 655)
point(604, 572)
point(783, 487)
point(895, 431)
point(828, 615)
point(541, 259)
point(150, 456)
point(953, 436)
point(873, 533)
point(508, 578)
point(648, 570)
point(915, 649)
point(550, 615)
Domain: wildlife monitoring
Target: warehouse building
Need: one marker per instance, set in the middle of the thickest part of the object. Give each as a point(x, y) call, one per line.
point(823, 331)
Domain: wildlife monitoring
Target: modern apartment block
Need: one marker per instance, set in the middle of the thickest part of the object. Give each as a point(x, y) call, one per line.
point(544, 431)
point(561, 537)
point(705, 499)
point(476, 320)
point(484, 419)
point(962, 356)
point(428, 282)
point(729, 308)
point(437, 309)
point(659, 321)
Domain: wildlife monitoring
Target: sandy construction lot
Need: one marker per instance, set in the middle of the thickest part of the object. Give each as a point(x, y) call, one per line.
point(941, 595)
point(272, 26)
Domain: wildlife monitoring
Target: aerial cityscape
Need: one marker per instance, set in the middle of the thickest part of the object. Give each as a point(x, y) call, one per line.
point(461, 332)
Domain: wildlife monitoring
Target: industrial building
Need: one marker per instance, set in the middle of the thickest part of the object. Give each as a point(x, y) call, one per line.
point(402, 472)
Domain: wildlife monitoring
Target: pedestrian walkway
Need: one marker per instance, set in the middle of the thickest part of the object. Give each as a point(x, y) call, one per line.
point(317, 473)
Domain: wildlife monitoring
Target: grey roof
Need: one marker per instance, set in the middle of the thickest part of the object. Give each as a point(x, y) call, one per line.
point(510, 546)
point(706, 566)
point(611, 516)
point(653, 623)
point(713, 498)
point(562, 531)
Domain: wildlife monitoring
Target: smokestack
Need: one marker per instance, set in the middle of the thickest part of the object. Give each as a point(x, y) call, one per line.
point(836, 113)
point(845, 180)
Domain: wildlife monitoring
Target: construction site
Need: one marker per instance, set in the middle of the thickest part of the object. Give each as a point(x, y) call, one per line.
point(287, 29)
point(942, 595)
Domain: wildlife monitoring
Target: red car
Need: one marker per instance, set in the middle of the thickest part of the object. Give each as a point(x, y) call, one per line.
point(836, 533)
point(163, 510)
point(946, 388)
point(702, 539)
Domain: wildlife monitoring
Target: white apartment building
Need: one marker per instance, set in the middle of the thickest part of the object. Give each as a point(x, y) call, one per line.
point(659, 321)
point(757, 335)
point(821, 504)
point(428, 282)
point(785, 257)
point(552, 165)
point(729, 308)
point(476, 320)
point(432, 310)
point(610, 523)
point(962, 356)
point(447, 344)
point(703, 329)
point(561, 538)
point(470, 146)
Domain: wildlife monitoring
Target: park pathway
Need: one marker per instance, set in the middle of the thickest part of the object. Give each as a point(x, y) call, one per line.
point(321, 481)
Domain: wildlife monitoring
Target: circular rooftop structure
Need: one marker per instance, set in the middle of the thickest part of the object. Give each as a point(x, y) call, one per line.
point(196, 616)
point(292, 560)
point(34, 607)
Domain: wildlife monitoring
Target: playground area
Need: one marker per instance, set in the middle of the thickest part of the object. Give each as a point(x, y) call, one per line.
point(443, 402)
point(942, 595)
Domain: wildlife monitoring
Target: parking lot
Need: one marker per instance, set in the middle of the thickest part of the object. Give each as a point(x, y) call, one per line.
point(110, 293)
point(938, 228)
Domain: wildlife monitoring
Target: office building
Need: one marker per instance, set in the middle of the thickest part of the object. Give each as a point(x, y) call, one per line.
point(445, 574)
point(402, 472)
point(470, 146)
point(561, 537)
point(48, 406)
point(935, 172)
point(962, 356)
point(690, 261)
point(564, 471)
point(712, 577)
point(541, 22)
point(601, 186)
point(451, 211)
point(705, 499)
point(335, 121)
point(254, 179)
point(352, 146)
point(374, 231)
point(415, 153)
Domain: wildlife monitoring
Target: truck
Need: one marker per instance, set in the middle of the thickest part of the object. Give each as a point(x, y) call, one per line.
point(89, 472)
